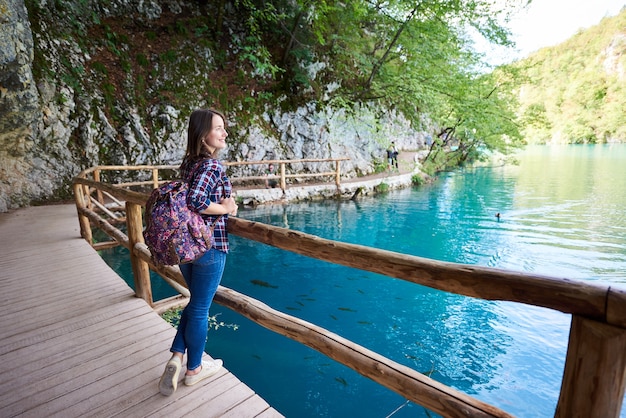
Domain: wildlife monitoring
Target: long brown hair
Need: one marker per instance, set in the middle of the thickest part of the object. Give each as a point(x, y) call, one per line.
point(200, 124)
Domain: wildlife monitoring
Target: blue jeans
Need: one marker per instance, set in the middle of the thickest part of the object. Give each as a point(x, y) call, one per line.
point(202, 277)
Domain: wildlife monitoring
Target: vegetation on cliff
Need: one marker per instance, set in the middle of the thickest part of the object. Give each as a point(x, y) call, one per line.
point(246, 56)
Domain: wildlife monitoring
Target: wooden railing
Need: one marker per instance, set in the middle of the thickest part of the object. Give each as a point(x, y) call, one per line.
point(594, 377)
point(282, 175)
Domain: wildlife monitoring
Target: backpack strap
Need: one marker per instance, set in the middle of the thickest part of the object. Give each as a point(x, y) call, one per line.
point(192, 173)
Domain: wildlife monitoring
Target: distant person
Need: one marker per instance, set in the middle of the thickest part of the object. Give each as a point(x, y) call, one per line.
point(392, 156)
point(268, 181)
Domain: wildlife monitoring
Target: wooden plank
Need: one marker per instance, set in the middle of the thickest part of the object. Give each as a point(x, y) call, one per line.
point(250, 407)
point(269, 413)
point(79, 332)
point(140, 400)
point(206, 398)
point(56, 348)
point(225, 402)
point(85, 298)
point(184, 399)
point(75, 383)
point(102, 380)
point(36, 364)
point(11, 341)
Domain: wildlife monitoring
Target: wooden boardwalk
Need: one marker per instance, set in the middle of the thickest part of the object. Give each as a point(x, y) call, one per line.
point(75, 342)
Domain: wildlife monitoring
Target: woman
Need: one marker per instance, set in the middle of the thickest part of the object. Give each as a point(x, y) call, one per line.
point(210, 195)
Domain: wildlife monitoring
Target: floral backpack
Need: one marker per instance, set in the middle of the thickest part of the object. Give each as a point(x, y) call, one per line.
point(174, 233)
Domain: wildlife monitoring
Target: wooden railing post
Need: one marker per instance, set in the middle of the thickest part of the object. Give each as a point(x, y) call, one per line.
point(155, 178)
point(96, 177)
point(338, 174)
point(283, 181)
point(595, 371)
point(83, 221)
point(141, 270)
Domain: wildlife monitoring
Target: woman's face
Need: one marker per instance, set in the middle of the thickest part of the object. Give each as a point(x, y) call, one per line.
point(216, 138)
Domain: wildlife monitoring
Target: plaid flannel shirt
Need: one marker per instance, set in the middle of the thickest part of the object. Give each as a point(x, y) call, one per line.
point(208, 184)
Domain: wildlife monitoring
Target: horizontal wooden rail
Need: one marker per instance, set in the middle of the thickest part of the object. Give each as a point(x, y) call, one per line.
point(154, 182)
point(226, 163)
point(574, 297)
point(403, 380)
point(289, 176)
point(120, 193)
point(302, 160)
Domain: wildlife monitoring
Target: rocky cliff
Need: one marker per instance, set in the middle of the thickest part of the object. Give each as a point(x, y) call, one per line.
point(94, 83)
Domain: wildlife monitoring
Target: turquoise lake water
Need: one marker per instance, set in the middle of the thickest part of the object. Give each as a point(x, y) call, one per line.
point(562, 214)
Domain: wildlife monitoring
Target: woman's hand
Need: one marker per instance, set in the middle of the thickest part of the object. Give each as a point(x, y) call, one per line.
point(227, 206)
point(230, 205)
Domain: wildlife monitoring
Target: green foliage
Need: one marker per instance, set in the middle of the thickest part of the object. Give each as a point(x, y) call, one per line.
point(172, 317)
point(100, 67)
point(72, 75)
point(259, 58)
point(573, 92)
point(169, 56)
point(381, 188)
point(125, 64)
point(113, 41)
point(142, 60)
point(432, 165)
point(201, 30)
point(109, 94)
point(180, 27)
point(62, 99)
point(411, 57)
point(415, 57)
point(417, 180)
point(259, 21)
point(380, 165)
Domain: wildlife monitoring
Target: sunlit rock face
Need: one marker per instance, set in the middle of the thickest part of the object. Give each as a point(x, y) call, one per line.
point(18, 105)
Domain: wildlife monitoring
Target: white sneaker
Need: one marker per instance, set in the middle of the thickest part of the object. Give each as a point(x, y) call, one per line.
point(209, 368)
point(169, 379)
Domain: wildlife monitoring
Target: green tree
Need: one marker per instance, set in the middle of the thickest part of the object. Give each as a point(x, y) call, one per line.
point(578, 86)
point(417, 57)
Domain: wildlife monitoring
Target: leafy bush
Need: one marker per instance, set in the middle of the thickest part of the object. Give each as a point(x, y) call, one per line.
point(417, 179)
point(172, 317)
point(381, 188)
